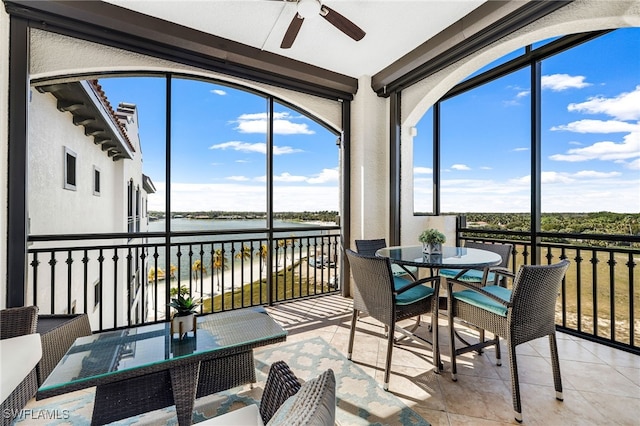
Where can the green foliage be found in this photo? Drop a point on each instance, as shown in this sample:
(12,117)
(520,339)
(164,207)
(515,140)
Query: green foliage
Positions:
(174,291)
(184,305)
(432,236)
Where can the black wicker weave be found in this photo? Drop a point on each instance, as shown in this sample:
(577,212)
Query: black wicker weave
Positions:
(504,250)
(16,322)
(370,247)
(375,295)
(530,314)
(58,332)
(281,384)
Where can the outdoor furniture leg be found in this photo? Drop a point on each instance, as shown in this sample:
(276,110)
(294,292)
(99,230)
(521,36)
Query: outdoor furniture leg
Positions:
(184,380)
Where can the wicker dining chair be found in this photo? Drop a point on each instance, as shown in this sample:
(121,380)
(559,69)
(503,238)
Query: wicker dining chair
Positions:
(400,273)
(524,313)
(486,276)
(374,294)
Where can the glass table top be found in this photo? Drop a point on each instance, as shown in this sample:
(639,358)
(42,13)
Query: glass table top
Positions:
(110,352)
(451,257)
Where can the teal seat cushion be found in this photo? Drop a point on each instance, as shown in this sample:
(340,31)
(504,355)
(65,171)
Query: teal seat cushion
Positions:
(471,276)
(419,292)
(400,271)
(481,301)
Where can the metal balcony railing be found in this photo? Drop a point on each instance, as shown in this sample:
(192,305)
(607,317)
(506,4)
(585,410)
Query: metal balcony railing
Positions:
(600,293)
(121,280)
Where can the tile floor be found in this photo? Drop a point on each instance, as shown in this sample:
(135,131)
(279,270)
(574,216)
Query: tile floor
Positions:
(601,385)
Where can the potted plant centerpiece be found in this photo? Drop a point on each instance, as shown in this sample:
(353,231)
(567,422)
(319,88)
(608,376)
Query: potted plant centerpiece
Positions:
(432,241)
(184,317)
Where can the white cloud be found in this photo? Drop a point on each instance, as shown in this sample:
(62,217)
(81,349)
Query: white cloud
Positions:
(460,167)
(606,151)
(282,124)
(242,161)
(326,175)
(242,197)
(238,178)
(598,126)
(588,193)
(634,165)
(625,106)
(218,92)
(520,149)
(522,94)
(595,174)
(560,82)
(422,171)
(288,177)
(258,147)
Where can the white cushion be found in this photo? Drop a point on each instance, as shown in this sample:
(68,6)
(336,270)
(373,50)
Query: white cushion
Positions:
(249,415)
(18,356)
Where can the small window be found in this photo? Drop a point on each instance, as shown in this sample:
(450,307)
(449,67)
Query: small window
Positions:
(69,169)
(96,293)
(96,181)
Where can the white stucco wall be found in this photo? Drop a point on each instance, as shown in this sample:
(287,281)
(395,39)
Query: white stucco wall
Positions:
(4,112)
(579,16)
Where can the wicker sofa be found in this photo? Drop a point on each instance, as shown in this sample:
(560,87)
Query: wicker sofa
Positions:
(20,351)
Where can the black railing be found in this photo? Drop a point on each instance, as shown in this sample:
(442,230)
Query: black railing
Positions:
(121,280)
(601,287)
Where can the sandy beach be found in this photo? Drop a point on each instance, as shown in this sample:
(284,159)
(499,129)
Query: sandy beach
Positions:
(209,285)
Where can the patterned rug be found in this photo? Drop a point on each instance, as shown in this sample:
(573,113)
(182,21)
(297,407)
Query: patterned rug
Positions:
(360,399)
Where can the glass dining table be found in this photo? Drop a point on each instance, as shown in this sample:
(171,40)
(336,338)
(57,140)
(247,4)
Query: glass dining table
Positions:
(461,258)
(451,257)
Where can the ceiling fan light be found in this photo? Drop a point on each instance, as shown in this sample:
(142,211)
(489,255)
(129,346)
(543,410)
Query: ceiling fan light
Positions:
(308,8)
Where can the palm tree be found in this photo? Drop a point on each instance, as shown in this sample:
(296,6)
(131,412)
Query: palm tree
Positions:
(244,253)
(198,268)
(219,261)
(262,252)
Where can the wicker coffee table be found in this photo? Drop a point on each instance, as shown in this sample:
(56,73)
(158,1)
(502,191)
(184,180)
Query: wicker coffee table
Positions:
(145,368)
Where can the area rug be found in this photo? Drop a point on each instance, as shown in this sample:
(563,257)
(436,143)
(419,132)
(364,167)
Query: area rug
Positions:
(360,399)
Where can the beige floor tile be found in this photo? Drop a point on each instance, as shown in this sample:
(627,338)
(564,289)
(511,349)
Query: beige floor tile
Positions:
(541,408)
(569,350)
(632,374)
(612,356)
(618,410)
(534,370)
(478,397)
(588,377)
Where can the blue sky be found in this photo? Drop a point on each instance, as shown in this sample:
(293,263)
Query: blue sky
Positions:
(218,148)
(590,136)
(590,155)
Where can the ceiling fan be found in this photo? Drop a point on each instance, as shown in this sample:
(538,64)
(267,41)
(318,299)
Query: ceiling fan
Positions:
(308,8)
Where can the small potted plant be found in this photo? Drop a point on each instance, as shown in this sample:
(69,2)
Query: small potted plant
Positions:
(184,317)
(432,241)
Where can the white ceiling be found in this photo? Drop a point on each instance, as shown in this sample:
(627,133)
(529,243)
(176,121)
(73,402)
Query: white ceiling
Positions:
(393,27)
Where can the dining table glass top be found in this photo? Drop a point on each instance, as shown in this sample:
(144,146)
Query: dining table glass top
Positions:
(451,257)
(112,352)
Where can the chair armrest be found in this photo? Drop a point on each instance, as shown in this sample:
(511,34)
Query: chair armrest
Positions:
(498,271)
(281,384)
(470,286)
(18,321)
(417,283)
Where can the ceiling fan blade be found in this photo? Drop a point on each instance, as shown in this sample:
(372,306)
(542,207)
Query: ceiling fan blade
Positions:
(292,32)
(342,23)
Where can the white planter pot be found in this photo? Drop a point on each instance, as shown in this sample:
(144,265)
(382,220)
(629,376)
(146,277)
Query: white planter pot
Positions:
(432,248)
(183,325)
